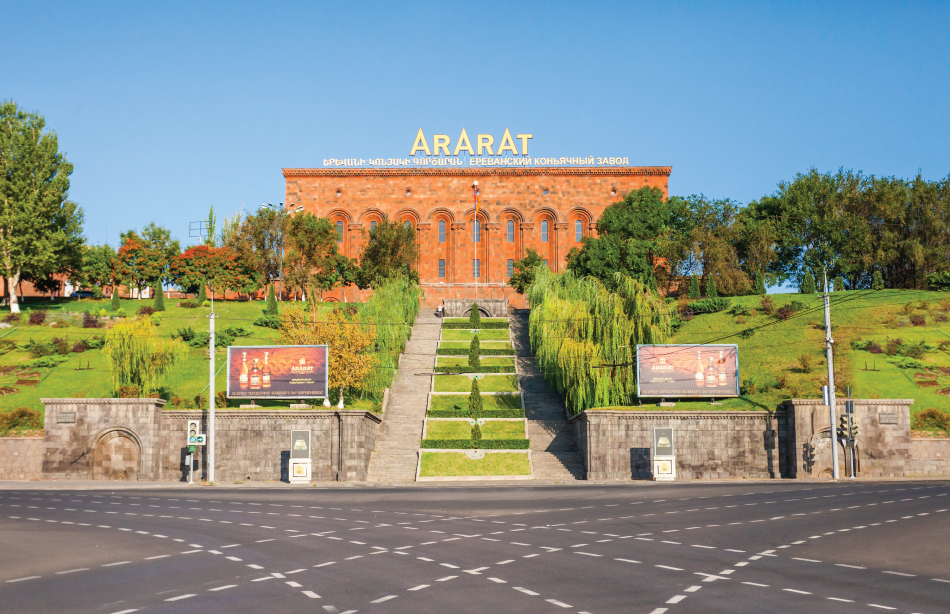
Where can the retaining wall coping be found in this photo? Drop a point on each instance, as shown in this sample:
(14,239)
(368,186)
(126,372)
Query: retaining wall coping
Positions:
(681,414)
(840,401)
(261,414)
(103,401)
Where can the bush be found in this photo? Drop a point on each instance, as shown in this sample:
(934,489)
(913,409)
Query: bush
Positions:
(267,321)
(878,281)
(746,333)
(37,318)
(186,334)
(474,357)
(145,310)
(476,435)
(808,284)
(475,401)
(11,318)
(115,298)
(40,349)
(201,339)
(177,401)
(893,346)
(20,418)
(781,382)
(468,325)
(748,387)
(767,305)
(206,303)
(759,285)
(711,291)
(710,305)
(62,346)
(464,352)
(97,293)
(740,310)
(488,413)
(239,331)
(271,301)
(158,303)
(839,284)
(128,392)
(693,291)
(47,362)
(91,321)
(931,420)
(484,444)
(806,362)
(221,400)
(79,348)
(120,312)
(797,305)
(190,303)
(784,312)
(480,369)
(156,319)
(475,316)
(918,320)
(200,400)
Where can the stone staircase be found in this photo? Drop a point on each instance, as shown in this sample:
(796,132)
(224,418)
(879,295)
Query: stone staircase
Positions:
(397,441)
(553,449)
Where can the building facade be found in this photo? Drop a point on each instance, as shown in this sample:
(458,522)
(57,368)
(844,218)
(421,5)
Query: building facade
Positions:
(550,210)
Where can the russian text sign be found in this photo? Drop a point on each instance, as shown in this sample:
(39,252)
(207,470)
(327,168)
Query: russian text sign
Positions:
(277,372)
(671,371)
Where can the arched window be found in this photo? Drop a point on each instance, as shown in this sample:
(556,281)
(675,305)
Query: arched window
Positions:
(511,231)
(544,231)
(372,226)
(441,231)
(476,231)
(578,230)
(406,224)
(339,232)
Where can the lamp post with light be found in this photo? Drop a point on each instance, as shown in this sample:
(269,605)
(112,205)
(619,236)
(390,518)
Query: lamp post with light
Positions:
(476,265)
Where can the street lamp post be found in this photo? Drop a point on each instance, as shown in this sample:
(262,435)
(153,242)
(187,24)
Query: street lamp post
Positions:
(476,236)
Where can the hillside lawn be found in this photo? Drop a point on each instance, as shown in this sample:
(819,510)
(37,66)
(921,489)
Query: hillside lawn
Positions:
(460,320)
(461,429)
(88,374)
(485,345)
(451,402)
(487,383)
(772,353)
(487,361)
(487,334)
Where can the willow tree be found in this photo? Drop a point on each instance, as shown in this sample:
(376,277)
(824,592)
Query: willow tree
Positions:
(585,336)
(139,356)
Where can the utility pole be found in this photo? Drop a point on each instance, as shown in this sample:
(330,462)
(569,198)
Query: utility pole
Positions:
(829,358)
(476,236)
(211,318)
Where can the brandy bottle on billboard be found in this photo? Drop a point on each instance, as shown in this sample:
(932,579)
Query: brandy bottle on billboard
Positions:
(242,380)
(712,375)
(700,373)
(255,377)
(722,370)
(265,373)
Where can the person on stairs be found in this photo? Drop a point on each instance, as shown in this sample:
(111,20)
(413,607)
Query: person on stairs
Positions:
(438,311)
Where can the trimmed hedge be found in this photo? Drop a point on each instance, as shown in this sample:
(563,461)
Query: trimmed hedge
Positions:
(482,369)
(464,352)
(484,444)
(468,325)
(487,413)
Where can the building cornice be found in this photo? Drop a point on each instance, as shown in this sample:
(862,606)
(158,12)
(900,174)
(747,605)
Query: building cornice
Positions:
(530,171)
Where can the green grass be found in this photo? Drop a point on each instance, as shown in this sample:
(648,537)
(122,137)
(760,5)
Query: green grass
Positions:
(461,429)
(488,383)
(460,402)
(462,361)
(772,353)
(486,345)
(488,334)
(445,464)
(458,320)
(188,379)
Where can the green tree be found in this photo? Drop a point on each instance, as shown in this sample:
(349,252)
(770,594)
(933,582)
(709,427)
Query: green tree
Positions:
(476,436)
(116,304)
(40,229)
(839,283)
(261,242)
(475,316)
(759,283)
(312,255)
(808,284)
(139,356)
(158,302)
(271,301)
(390,252)
(474,353)
(141,264)
(878,282)
(96,267)
(693,291)
(524,271)
(475,401)
(711,287)
(713,233)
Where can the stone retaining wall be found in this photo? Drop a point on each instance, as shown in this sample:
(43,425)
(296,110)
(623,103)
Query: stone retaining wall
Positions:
(617,445)
(21,458)
(929,456)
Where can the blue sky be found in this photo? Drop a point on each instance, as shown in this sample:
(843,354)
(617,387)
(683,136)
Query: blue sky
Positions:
(167,108)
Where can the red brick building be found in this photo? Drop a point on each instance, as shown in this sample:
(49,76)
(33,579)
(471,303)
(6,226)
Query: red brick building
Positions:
(547,209)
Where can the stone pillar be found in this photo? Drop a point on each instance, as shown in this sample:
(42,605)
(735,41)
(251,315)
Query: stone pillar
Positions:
(428,269)
(356,240)
(493,248)
(460,247)
(527,238)
(560,239)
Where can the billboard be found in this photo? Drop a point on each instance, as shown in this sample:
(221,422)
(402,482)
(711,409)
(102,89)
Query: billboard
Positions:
(688,370)
(277,372)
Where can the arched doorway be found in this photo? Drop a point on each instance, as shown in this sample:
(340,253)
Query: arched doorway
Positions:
(116,457)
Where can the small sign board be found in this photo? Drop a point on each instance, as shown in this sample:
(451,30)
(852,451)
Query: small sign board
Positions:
(662,441)
(888,418)
(300,445)
(65,417)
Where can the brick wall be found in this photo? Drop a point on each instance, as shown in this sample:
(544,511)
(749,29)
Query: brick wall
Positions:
(617,445)
(929,456)
(21,458)
(439,204)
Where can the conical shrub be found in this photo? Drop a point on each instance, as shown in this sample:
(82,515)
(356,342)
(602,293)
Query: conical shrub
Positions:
(808,284)
(475,317)
(115,297)
(711,287)
(693,291)
(271,301)
(158,303)
(474,353)
(475,401)
(878,281)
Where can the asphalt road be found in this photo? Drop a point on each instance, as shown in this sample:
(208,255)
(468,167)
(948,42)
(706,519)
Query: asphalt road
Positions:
(650,548)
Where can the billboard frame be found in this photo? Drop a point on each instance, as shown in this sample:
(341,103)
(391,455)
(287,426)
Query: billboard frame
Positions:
(692,346)
(227,378)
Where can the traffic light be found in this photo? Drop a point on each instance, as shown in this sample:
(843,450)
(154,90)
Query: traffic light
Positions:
(847,428)
(193,434)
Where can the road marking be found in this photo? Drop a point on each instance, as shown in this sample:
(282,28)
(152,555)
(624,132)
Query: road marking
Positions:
(897,573)
(525,591)
(446,578)
(939,580)
(419,588)
(23,579)
(477,571)
(449,565)
(325,564)
(558,603)
(386,598)
(311,594)
(59,573)
(588,554)
(264,578)
(505,562)
(627,560)
(252,566)
(676,599)
(119,563)
(668,567)
(292,584)
(792,590)
(422,558)
(698,546)
(278,575)
(795,558)
(882,607)
(844,600)
(127,611)
(179,597)
(221,588)
(849,566)
(692,589)
(528,556)
(498,580)
(755,584)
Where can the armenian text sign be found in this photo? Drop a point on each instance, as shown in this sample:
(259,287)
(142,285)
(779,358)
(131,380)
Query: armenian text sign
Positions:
(277,371)
(688,370)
